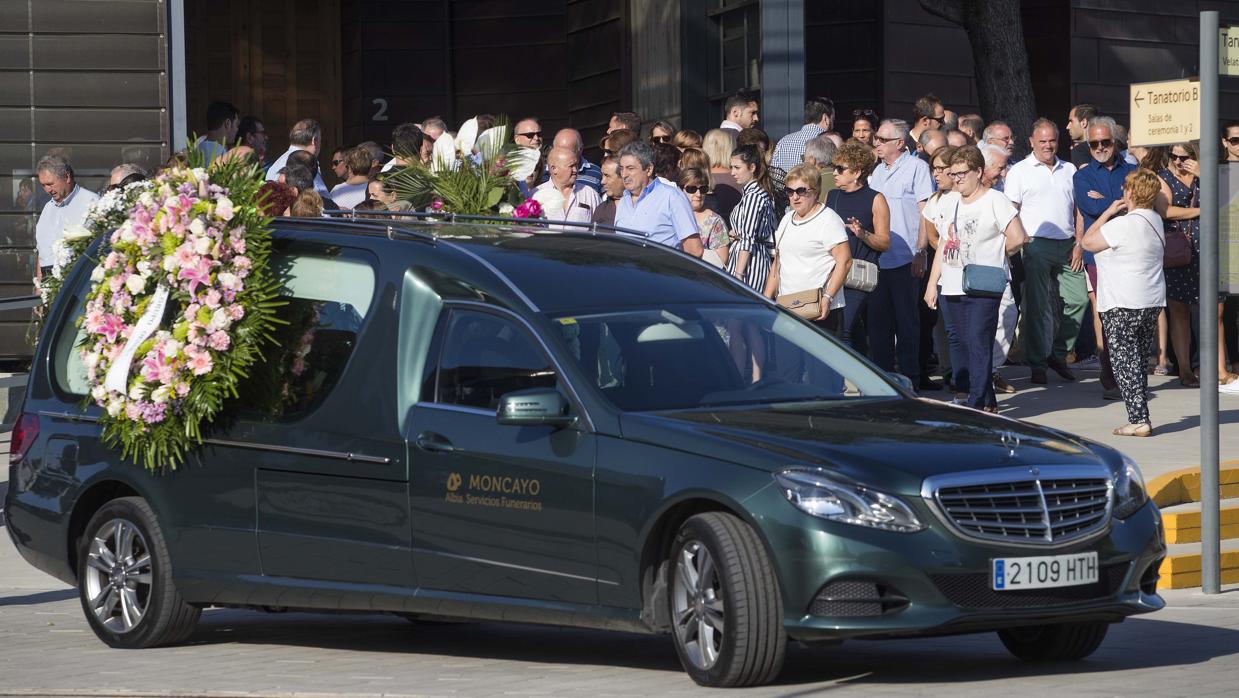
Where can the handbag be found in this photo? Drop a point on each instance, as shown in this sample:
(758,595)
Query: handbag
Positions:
(805,304)
(863,276)
(1179,248)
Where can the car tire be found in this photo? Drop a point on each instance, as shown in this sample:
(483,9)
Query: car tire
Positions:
(726,611)
(125,579)
(1061,642)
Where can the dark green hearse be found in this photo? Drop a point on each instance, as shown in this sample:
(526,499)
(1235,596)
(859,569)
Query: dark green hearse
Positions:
(473,421)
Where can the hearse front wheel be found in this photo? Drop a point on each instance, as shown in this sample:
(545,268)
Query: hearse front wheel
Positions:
(726,612)
(1054,643)
(125,579)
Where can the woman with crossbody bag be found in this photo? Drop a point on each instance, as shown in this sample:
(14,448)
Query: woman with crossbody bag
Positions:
(971,266)
(867,219)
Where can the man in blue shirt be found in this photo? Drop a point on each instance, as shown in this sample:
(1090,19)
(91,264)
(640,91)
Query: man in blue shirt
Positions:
(1097,185)
(894,306)
(659,210)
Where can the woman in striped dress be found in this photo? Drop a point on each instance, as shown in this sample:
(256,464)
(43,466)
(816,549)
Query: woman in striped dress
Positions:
(752,220)
(749,256)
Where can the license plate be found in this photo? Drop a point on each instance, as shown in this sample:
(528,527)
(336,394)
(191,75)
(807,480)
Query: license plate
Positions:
(1007,573)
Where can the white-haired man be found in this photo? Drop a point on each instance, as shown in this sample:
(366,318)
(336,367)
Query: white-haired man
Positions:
(68,205)
(893,313)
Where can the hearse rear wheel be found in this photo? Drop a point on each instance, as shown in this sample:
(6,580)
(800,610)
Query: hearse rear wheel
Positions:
(726,611)
(1054,643)
(125,579)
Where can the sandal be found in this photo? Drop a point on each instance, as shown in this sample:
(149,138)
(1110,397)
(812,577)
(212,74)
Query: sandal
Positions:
(1161,370)
(1189,381)
(1142,429)
(1227,379)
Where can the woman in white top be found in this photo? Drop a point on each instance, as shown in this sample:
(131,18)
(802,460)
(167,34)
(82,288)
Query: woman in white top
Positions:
(1131,289)
(811,253)
(982,228)
(811,250)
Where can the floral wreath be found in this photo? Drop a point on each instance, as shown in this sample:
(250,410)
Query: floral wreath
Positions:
(191,253)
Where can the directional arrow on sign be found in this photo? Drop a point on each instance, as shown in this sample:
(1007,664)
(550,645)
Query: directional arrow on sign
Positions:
(1137,99)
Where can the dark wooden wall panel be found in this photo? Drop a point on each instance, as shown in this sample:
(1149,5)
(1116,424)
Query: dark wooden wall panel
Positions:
(597,77)
(843,56)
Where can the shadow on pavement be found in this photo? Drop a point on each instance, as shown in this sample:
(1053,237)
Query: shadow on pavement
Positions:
(945,660)
(40,597)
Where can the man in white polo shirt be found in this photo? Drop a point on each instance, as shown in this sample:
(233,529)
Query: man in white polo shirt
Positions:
(1055,296)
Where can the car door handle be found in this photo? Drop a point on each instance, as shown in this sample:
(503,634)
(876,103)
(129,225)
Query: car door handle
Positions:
(434,443)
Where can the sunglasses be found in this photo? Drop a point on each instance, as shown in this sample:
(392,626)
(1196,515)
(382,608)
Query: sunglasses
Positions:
(840,169)
(1103,143)
(798,191)
(1180,158)
(880,139)
(693,189)
(608,153)
(660,139)
(939,119)
(1233,140)
(337,162)
(531,134)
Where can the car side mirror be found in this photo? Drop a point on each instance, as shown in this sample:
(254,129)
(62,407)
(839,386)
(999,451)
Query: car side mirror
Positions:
(902,381)
(536,406)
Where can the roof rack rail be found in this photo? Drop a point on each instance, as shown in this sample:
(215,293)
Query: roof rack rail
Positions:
(431,217)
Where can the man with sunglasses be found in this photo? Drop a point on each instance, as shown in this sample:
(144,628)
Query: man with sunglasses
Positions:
(928,114)
(1097,185)
(528,134)
(819,114)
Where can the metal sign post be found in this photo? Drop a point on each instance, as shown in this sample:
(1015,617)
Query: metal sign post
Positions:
(1210,534)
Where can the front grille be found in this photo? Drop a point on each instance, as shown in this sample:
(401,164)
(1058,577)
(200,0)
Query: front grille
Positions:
(1053,505)
(855,599)
(973,590)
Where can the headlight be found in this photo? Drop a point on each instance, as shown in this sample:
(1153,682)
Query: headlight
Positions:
(813,492)
(1129,492)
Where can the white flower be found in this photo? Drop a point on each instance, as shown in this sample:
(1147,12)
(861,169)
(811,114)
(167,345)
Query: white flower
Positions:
(223,208)
(170,263)
(228,281)
(162,394)
(138,391)
(90,360)
(115,406)
(506,209)
(203,244)
(219,320)
(171,348)
(135,283)
(97,275)
(144,267)
(146,199)
(197,227)
(199,173)
(76,232)
(99,392)
(552,202)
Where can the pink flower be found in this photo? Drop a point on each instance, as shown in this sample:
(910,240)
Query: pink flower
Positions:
(199,273)
(212,299)
(238,244)
(236,312)
(436,205)
(241,262)
(219,340)
(111,327)
(152,364)
(199,360)
(133,411)
(182,389)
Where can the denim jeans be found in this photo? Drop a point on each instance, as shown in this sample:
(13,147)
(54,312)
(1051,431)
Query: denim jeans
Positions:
(895,324)
(975,320)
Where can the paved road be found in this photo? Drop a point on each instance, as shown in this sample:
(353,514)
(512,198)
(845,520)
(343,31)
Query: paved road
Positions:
(46,647)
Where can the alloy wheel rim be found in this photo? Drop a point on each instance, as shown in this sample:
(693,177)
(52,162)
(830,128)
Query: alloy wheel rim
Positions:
(698,611)
(118,576)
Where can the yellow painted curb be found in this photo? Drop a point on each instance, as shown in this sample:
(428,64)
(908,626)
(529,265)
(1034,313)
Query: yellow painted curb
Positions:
(1183,486)
(1183,571)
(1189,580)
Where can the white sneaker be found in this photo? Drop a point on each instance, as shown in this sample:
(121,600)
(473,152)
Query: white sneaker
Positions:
(1091,363)
(1231,388)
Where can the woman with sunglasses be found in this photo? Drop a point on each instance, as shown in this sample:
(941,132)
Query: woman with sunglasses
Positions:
(1180,199)
(661,132)
(695,184)
(864,125)
(867,219)
(983,230)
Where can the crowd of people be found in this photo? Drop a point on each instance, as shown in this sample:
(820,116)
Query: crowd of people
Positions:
(923,243)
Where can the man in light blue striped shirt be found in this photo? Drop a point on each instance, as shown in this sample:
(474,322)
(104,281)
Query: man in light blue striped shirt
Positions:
(819,114)
(660,211)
